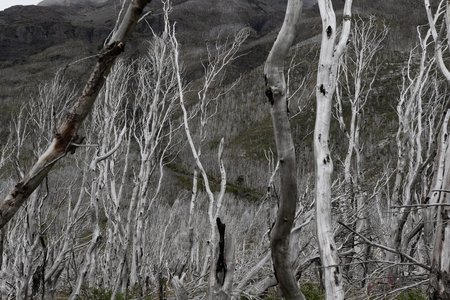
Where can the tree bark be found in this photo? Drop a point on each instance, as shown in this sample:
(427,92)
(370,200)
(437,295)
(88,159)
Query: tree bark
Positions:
(440,260)
(326,85)
(180,291)
(276,93)
(66,134)
(2,240)
(224,269)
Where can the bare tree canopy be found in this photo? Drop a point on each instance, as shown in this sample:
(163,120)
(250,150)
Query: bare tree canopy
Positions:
(66,138)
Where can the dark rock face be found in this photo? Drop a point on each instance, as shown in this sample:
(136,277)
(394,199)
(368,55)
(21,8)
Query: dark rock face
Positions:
(30,30)
(21,36)
(27,30)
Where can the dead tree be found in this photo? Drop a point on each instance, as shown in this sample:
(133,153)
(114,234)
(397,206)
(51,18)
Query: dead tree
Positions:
(355,86)
(220,282)
(276,94)
(66,138)
(434,20)
(330,53)
(208,102)
(37,241)
(439,287)
(356,76)
(409,145)
(440,264)
(224,265)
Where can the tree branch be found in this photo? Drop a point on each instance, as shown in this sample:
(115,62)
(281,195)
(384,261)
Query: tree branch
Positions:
(387,248)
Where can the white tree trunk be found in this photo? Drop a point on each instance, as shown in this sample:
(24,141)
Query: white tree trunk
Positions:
(330,53)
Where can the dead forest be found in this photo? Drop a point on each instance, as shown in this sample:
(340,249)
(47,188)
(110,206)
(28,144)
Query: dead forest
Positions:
(323,173)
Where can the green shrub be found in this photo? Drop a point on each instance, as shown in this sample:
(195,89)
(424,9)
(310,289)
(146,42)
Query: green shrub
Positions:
(102,294)
(412,294)
(311,291)
(98,294)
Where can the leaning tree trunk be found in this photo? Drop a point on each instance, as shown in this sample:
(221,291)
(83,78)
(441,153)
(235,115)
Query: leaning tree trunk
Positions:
(276,93)
(66,138)
(326,85)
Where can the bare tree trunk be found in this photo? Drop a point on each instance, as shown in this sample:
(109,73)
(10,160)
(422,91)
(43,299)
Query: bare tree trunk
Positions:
(2,239)
(180,291)
(276,93)
(330,53)
(355,86)
(414,122)
(224,268)
(440,260)
(66,135)
(217,63)
(433,19)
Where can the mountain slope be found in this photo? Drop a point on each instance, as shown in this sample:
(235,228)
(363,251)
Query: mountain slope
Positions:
(36,41)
